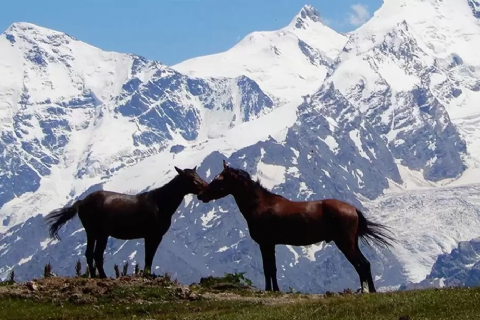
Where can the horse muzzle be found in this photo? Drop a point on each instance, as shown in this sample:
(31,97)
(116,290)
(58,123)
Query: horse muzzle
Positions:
(201,197)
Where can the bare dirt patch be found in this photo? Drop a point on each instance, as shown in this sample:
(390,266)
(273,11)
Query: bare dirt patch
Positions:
(141,290)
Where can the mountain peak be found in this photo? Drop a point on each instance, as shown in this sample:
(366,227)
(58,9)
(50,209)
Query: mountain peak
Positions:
(310,12)
(32,31)
(306,14)
(17,26)
(27,27)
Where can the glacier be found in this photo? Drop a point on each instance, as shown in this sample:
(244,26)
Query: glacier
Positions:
(385,117)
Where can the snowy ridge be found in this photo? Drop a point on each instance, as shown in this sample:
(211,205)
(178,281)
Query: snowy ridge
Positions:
(445,27)
(365,118)
(288,63)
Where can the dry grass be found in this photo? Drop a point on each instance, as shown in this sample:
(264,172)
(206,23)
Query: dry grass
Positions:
(131,297)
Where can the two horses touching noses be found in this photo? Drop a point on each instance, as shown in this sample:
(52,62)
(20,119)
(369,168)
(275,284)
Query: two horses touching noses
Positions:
(271,219)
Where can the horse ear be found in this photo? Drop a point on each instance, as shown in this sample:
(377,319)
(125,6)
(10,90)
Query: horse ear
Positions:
(180,171)
(195,168)
(225,166)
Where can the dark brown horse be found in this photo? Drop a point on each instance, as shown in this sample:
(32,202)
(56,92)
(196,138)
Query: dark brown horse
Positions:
(273,220)
(146,215)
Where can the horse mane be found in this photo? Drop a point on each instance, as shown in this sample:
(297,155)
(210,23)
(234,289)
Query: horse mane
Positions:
(245,177)
(165,189)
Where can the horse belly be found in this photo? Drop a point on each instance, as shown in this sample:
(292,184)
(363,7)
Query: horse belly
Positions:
(124,228)
(289,233)
(126,235)
(300,239)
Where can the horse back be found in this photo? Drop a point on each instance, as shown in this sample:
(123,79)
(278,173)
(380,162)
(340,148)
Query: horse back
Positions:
(109,202)
(301,222)
(121,216)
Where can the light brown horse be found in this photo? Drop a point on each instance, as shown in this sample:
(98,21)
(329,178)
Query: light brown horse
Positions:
(273,219)
(146,215)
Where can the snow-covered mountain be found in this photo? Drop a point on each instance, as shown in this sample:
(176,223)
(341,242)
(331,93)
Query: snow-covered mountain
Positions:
(412,66)
(72,111)
(289,62)
(365,117)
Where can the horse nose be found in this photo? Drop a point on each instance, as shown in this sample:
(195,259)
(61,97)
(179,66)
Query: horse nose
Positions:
(200,196)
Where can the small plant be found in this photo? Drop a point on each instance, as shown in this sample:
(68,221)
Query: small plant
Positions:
(117,271)
(47,271)
(228,282)
(78,268)
(137,269)
(10,280)
(238,277)
(175,282)
(167,277)
(125,269)
(347,291)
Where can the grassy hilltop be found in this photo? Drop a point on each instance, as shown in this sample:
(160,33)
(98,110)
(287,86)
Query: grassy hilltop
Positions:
(229,297)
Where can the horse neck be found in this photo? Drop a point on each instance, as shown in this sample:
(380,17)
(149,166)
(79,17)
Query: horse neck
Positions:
(247,199)
(169,196)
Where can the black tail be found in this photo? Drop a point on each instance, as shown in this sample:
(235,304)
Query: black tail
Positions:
(57,218)
(368,230)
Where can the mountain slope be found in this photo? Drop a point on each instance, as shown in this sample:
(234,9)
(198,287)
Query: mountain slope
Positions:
(287,63)
(391,114)
(418,95)
(460,267)
(226,245)
(63,101)
(448,34)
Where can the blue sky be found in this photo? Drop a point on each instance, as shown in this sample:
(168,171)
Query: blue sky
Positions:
(174,30)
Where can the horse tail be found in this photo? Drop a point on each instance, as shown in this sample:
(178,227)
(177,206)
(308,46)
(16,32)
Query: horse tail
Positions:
(58,217)
(369,230)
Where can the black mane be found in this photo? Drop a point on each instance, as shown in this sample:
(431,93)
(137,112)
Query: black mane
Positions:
(169,189)
(245,176)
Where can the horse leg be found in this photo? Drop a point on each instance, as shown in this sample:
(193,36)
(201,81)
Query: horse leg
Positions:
(99,250)
(89,254)
(367,271)
(273,267)
(360,263)
(266,267)
(269,267)
(151,246)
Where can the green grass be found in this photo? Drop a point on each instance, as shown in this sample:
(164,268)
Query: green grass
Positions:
(156,302)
